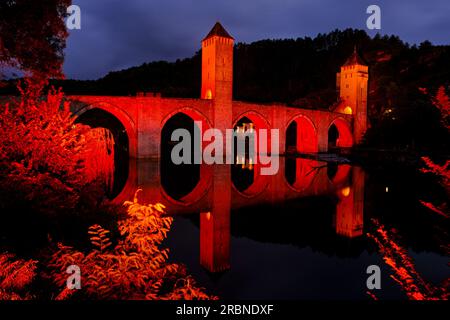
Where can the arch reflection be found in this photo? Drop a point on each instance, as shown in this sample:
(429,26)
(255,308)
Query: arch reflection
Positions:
(298,179)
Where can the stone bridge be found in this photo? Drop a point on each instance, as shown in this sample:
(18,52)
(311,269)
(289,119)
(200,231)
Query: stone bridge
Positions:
(143,120)
(144,116)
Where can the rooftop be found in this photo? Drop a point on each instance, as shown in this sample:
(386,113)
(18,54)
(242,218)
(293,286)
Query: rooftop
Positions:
(354,59)
(218,30)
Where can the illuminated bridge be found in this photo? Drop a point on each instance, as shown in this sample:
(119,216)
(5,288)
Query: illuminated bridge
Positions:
(142,125)
(144,117)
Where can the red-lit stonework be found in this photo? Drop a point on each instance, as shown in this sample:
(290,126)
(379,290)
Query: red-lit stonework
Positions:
(215,196)
(143,116)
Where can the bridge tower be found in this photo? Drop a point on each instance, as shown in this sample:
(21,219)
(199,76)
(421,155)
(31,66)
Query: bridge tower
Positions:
(217,86)
(350,208)
(217,74)
(217,64)
(352,82)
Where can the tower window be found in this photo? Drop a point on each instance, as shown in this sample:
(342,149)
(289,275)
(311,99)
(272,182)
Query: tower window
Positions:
(348,110)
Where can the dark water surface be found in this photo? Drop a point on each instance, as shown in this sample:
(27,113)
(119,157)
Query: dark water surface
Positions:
(300,234)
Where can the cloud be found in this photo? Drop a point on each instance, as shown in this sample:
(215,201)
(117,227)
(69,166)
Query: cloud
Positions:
(117,34)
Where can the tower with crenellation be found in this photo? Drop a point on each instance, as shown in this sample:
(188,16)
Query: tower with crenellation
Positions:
(217,74)
(352,83)
(217,86)
(217,64)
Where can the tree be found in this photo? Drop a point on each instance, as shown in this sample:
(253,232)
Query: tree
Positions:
(46,159)
(16,276)
(441,171)
(442,102)
(403,267)
(33,35)
(136,268)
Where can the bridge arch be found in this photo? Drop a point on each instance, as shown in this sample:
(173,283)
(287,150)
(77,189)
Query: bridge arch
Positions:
(121,126)
(340,134)
(301,135)
(199,175)
(300,173)
(338,174)
(120,115)
(193,113)
(259,121)
(254,116)
(246,175)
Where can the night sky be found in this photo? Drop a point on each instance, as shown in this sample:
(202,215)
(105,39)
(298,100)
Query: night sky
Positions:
(117,34)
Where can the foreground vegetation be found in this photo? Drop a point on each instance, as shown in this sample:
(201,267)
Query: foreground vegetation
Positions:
(56,171)
(388,241)
(135,267)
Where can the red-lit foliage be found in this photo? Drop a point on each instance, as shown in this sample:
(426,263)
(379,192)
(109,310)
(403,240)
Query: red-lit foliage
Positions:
(50,161)
(438,209)
(442,102)
(135,268)
(16,275)
(442,171)
(33,35)
(405,273)
(99,157)
(45,157)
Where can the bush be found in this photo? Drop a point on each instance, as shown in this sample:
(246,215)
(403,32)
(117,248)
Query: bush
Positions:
(16,275)
(45,157)
(135,268)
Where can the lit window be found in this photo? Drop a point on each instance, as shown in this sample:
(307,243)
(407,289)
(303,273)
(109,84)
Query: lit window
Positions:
(348,110)
(345,191)
(208,94)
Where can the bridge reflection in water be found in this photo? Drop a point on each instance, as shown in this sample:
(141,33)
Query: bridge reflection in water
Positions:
(215,196)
